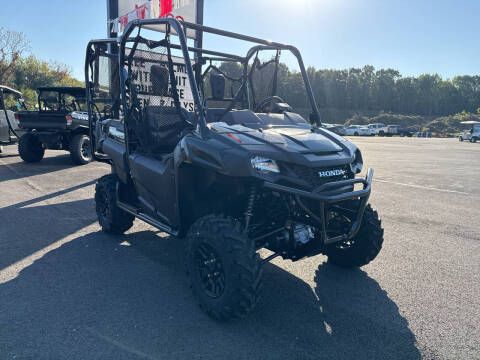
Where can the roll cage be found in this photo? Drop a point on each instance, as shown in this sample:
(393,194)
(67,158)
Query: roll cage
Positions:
(77,93)
(117,50)
(5,91)
(20,106)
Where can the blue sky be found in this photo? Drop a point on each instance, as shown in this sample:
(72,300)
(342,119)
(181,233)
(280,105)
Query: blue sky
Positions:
(414,37)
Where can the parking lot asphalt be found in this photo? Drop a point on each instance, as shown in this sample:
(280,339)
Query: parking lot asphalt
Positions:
(68,291)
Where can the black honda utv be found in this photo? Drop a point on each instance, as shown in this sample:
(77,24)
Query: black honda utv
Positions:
(211,148)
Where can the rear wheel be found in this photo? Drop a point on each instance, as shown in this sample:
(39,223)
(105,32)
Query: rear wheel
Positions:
(355,133)
(111,218)
(363,248)
(473,140)
(223,267)
(80,149)
(30,148)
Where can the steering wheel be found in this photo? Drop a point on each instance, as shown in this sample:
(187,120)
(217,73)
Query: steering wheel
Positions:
(262,105)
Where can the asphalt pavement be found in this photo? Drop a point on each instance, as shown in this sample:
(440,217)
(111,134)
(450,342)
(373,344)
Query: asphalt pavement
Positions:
(68,291)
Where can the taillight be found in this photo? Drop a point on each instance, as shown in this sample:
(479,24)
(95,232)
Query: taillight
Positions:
(69,120)
(17,117)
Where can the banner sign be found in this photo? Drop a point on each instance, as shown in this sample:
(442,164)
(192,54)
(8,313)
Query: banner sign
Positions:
(128,10)
(141,70)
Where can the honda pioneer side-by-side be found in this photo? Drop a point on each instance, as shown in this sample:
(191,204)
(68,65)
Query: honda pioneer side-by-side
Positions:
(216,147)
(11,101)
(61,123)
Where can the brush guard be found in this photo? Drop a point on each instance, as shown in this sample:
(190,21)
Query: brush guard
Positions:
(331,193)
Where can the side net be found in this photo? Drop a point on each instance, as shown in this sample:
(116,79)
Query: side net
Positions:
(158,104)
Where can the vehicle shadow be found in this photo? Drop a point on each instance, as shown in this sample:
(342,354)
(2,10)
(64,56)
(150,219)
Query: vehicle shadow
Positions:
(99,296)
(44,225)
(34,224)
(21,169)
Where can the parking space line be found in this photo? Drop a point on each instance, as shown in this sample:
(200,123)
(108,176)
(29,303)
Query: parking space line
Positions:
(422,187)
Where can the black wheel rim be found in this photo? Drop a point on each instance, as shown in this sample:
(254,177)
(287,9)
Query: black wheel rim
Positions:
(210,271)
(85,149)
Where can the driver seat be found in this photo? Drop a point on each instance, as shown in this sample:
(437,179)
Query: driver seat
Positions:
(166,124)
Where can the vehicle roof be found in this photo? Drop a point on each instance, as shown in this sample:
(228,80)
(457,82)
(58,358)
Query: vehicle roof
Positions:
(74,90)
(9,89)
(470,122)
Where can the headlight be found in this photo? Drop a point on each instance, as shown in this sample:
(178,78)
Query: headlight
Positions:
(357,165)
(264,165)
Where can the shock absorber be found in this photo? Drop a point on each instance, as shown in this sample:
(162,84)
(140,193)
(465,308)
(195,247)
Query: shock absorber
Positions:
(250,206)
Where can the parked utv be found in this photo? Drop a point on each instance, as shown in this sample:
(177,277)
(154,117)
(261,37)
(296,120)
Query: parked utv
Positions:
(235,172)
(10,101)
(473,134)
(61,123)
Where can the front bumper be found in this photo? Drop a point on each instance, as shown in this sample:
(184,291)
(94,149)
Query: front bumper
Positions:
(330,193)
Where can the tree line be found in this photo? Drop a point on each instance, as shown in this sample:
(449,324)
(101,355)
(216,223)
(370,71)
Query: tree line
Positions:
(25,72)
(387,90)
(362,90)
(369,90)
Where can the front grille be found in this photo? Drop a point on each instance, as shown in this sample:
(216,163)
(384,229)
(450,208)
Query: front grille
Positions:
(311,175)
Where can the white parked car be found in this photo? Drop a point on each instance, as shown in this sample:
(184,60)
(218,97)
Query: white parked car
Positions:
(356,130)
(472,135)
(375,128)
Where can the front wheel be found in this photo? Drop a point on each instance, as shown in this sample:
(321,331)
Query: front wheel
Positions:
(111,218)
(223,267)
(80,149)
(30,148)
(473,140)
(363,248)
(460,139)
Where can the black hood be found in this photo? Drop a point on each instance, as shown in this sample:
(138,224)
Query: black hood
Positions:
(290,139)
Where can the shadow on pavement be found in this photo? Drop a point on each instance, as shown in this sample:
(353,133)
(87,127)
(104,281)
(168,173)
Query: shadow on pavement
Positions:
(21,169)
(128,298)
(42,226)
(29,226)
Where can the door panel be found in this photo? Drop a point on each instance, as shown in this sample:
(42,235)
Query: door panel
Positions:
(155,183)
